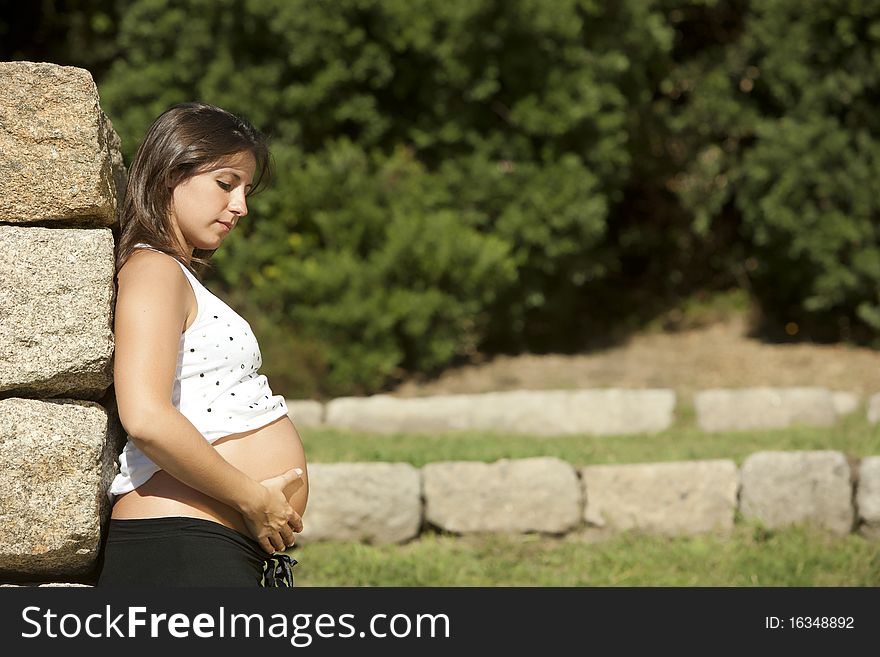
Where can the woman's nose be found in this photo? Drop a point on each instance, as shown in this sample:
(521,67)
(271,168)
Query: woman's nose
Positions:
(238,205)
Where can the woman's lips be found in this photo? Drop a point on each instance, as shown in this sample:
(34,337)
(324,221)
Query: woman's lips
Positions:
(226,226)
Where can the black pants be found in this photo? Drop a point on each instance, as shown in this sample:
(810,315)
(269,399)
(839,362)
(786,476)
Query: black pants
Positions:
(179,551)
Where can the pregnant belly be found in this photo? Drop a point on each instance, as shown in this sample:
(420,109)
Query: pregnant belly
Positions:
(260,453)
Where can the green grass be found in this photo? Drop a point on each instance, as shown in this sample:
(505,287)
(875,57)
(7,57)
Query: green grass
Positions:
(684,441)
(749,556)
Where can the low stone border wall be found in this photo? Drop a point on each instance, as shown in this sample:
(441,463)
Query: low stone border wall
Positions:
(537,412)
(596,411)
(381,503)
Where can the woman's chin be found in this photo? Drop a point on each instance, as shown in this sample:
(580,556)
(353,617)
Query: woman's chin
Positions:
(209,245)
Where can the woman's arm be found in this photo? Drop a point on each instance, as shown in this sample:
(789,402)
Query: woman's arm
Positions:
(175,445)
(151,311)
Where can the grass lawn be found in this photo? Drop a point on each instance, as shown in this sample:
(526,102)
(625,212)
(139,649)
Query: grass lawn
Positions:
(683,441)
(750,556)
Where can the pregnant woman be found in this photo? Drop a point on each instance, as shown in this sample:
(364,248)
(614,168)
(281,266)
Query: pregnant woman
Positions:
(212,483)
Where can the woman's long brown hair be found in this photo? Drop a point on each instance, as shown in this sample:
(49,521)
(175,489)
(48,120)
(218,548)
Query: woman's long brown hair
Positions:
(185,140)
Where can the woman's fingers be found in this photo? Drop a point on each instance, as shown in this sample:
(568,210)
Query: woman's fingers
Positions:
(291,475)
(284,479)
(287,482)
(278,542)
(288,537)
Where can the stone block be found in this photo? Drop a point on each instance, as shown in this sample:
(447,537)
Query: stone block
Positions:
(305,412)
(874,409)
(763,408)
(56,325)
(845,402)
(59,154)
(369,502)
(57,458)
(672,498)
(509,496)
(868,497)
(786,488)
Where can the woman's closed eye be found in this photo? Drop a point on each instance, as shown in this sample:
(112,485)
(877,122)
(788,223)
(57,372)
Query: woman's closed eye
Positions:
(224,186)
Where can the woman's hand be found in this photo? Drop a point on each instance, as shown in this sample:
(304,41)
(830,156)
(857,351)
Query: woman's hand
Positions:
(272,521)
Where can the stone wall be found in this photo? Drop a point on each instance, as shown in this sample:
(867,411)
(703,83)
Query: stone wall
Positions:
(548,495)
(597,412)
(61,176)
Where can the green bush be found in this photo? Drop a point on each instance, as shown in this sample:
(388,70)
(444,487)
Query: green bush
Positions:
(446,169)
(783,131)
(366,259)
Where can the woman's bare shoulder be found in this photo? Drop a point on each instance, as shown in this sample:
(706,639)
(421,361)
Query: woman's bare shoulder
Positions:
(146,262)
(154,276)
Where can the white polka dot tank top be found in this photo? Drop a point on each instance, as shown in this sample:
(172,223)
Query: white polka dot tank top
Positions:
(217,385)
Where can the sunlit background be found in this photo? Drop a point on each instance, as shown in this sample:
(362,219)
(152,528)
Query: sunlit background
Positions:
(456,179)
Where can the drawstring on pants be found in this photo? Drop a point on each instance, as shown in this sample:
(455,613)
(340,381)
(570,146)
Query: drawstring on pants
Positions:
(277,571)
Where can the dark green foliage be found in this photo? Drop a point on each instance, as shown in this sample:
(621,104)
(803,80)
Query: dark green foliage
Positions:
(462,176)
(368,258)
(783,132)
(445,168)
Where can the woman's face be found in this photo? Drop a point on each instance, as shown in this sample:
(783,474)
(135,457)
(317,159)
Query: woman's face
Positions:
(206,207)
